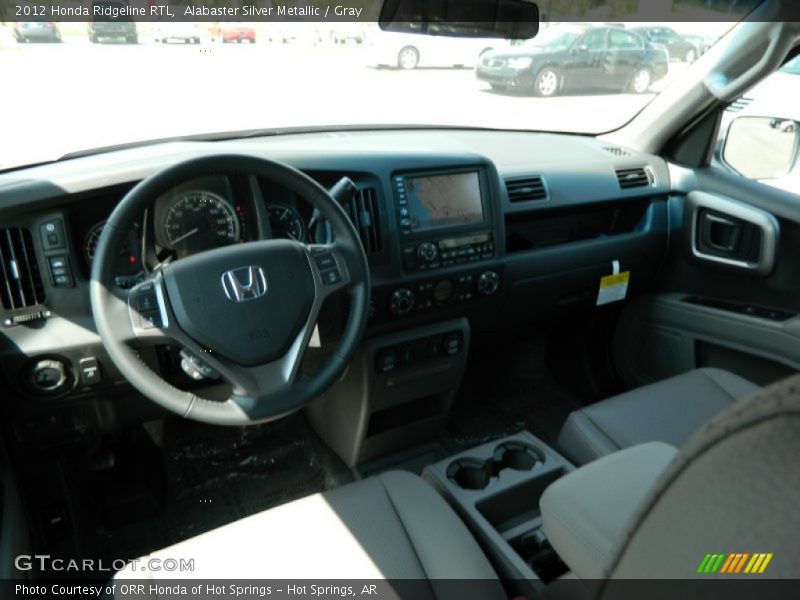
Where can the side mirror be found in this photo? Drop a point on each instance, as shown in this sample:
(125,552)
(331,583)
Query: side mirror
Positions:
(762,147)
(579,48)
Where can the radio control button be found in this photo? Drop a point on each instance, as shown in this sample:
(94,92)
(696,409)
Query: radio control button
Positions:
(427,251)
(488,283)
(402,302)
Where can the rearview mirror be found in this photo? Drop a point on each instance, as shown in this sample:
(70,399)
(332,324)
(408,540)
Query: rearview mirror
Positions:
(508,19)
(762,147)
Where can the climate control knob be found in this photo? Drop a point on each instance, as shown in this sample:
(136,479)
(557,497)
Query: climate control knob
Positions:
(427,251)
(48,376)
(402,302)
(488,283)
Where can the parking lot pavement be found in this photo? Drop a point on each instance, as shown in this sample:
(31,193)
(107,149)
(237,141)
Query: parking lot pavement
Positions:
(90,95)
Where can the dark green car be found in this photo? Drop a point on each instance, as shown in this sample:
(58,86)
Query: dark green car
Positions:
(577,59)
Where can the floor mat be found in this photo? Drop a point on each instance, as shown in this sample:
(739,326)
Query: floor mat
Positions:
(539,406)
(217,475)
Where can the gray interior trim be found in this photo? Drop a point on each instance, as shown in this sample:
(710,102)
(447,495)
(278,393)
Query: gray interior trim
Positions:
(670,328)
(766,223)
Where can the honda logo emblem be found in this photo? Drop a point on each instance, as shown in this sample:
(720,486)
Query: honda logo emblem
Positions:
(244,283)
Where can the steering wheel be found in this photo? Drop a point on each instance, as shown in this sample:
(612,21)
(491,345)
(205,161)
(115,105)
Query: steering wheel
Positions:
(245,312)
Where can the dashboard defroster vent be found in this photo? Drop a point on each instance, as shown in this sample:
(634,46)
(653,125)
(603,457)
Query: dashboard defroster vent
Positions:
(20,281)
(635,177)
(363,212)
(527,189)
(739,104)
(616,151)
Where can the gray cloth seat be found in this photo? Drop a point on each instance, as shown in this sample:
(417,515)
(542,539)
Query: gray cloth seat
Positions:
(668,411)
(730,492)
(393,526)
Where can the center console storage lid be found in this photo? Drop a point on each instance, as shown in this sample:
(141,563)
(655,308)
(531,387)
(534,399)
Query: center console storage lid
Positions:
(586,513)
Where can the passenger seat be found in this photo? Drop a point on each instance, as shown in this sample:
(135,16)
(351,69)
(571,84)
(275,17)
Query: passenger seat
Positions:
(667,411)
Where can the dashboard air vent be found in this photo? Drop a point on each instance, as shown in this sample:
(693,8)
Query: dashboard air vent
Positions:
(363,212)
(526,190)
(636,177)
(20,282)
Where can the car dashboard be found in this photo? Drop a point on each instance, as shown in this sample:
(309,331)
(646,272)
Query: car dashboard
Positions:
(465,232)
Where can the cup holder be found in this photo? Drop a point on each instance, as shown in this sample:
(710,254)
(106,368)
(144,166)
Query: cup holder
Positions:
(470,473)
(518,456)
(473,474)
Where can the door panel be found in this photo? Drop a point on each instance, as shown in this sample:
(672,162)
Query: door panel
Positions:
(728,294)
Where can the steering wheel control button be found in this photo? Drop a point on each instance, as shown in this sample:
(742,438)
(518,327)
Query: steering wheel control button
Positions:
(325,261)
(331,277)
(89,370)
(196,368)
(146,302)
(52,233)
(150,320)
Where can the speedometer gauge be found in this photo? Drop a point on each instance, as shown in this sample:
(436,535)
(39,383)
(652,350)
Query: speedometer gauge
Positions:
(200,220)
(285,222)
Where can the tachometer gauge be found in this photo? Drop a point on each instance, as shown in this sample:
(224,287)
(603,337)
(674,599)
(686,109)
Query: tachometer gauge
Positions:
(197,221)
(129,253)
(286,223)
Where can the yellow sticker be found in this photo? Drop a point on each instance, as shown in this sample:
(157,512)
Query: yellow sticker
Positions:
(613,288)
(617,279)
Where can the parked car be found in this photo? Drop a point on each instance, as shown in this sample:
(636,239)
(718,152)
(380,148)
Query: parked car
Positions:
(113,30)
(187,33)
(341,33)
(680,47)
(578,59)
(702,42)
(36,32)
(122,28)
(234,32)
(409,51)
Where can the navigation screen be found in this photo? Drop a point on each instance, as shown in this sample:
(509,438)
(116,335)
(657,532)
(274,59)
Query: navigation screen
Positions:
(444,200)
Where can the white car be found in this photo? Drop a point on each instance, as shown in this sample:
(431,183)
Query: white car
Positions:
(341,33)
(186,33)
(409,51)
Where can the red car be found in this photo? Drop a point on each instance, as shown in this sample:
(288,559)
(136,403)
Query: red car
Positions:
(237,33)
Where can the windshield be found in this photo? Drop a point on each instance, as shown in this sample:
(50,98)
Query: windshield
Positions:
(553,37)
(793,66)
(71,87)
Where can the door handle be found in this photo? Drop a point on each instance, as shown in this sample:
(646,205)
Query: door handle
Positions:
(720,233)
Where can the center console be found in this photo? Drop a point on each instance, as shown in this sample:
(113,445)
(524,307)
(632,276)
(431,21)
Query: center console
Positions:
(496,489)
(446,221)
